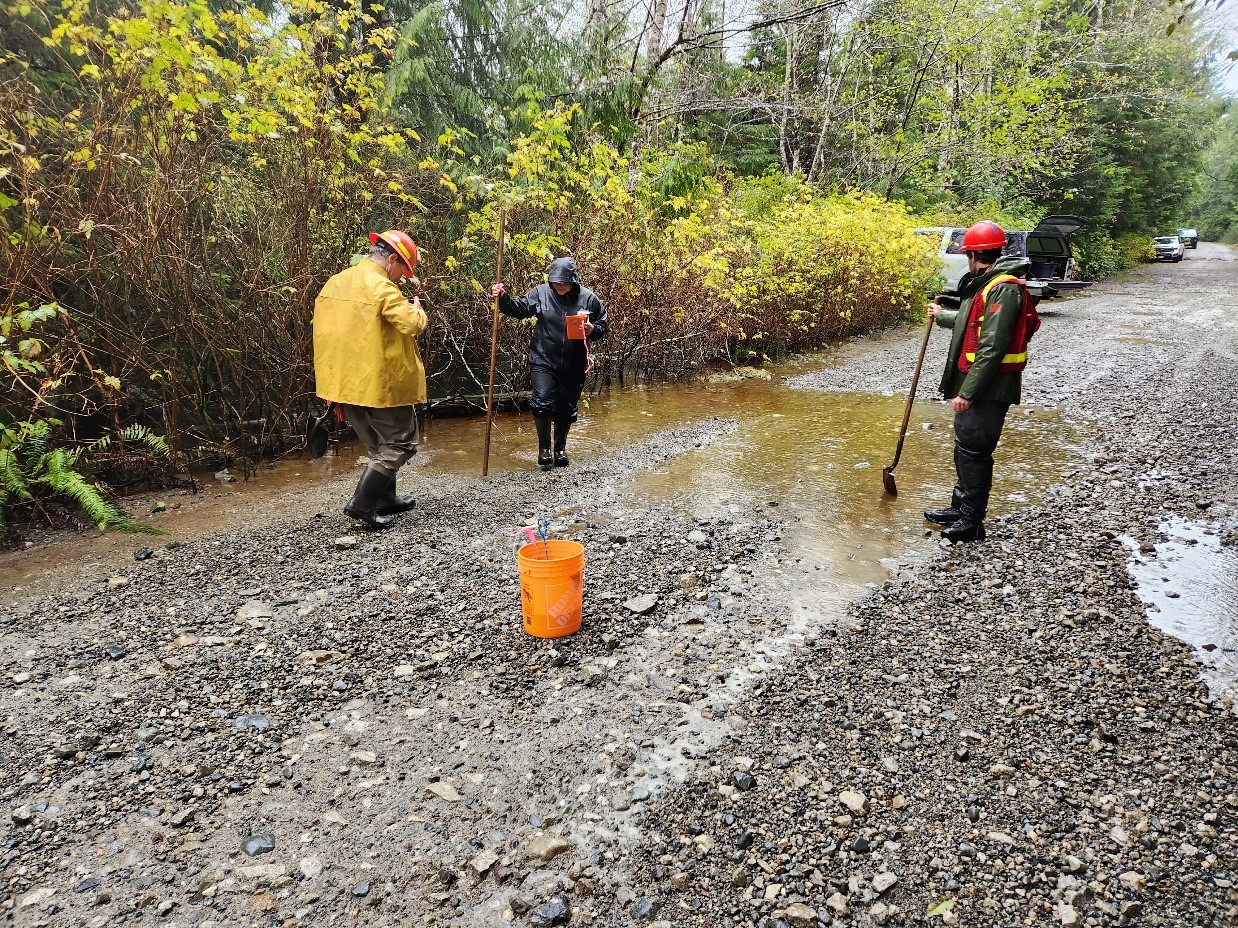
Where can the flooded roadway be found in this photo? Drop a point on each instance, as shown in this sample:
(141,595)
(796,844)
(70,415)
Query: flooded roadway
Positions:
(817,456)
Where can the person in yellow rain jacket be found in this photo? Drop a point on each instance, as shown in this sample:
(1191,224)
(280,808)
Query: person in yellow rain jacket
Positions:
(366,360)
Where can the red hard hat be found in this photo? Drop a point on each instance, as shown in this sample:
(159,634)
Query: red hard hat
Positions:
(984,236)
(402,245)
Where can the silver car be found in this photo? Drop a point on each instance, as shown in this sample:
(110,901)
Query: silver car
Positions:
(1169,248)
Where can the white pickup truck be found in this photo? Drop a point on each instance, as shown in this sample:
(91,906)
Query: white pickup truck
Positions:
(1047,246)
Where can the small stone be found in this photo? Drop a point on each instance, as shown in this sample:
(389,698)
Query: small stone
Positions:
(552,912)
(643,604)
(114,652)
(117,583)
(182,818)
(1134,880)
(639,794)
(363,758)
(838,905)
(800,915)
(481,862)
(546,847)
(254,721)
(1072,864)
(743,780)
(855,801)
(91,882)
(879,913)
(860,845)
(255,845)
(361,888)
(444,791)
(962,754)
(644,908)
(1001,771)
(404,671)
(143,554)
(20,677)
(883,881)
(1067,915)
(345,542)
(310,867)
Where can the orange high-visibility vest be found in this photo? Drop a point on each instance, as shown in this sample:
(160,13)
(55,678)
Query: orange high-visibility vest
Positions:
(1015,358)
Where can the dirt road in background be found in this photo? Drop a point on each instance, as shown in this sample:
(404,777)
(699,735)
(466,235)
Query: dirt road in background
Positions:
(293,725)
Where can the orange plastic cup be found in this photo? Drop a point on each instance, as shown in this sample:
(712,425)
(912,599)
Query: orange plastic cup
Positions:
(551,588)
(576,327)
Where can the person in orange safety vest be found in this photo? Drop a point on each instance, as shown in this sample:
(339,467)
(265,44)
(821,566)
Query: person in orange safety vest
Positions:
(984,370)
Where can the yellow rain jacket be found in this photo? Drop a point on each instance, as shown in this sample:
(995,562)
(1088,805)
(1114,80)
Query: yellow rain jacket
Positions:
(365,348)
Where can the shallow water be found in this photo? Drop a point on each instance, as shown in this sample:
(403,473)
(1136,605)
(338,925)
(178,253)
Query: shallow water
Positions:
(816,455)
(1190,587)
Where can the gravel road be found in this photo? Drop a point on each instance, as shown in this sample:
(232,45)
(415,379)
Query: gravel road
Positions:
(291,725)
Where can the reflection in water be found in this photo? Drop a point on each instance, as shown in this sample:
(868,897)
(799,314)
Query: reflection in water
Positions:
(818,456)
(1190,586)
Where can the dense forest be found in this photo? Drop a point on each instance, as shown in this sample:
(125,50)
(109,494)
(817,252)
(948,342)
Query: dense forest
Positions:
(737,181)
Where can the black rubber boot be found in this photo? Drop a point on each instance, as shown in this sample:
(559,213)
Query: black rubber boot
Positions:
(947,516)
(391,504)
(364,503)
(561,430)
(968,528)
(544,459)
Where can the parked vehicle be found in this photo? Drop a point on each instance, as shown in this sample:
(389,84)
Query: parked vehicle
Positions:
(1047,246)
(1169,248)
(1190,238)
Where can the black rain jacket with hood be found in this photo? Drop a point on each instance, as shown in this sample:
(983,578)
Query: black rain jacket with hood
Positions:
(551,348)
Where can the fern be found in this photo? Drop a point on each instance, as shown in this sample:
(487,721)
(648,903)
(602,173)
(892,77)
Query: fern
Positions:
(13,482)
(59,475)
(135,433)
(28,464)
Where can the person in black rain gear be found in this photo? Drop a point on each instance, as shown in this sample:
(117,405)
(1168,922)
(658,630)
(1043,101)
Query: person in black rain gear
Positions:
(557,363)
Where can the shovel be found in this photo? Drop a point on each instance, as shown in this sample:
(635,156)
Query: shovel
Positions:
(887,475)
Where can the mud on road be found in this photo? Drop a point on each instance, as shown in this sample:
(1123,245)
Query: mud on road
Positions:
(265,728)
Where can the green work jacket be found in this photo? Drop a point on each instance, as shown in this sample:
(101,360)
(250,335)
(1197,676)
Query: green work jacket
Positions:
(984,381)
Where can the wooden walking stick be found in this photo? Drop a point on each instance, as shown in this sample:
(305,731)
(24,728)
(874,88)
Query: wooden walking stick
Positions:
(494,349)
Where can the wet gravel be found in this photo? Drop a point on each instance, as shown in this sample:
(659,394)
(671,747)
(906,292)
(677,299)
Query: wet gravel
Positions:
(279,727)
(1000,738)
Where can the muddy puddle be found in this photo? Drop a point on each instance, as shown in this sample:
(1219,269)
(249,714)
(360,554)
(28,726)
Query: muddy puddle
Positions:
(816,455)
(1190,586)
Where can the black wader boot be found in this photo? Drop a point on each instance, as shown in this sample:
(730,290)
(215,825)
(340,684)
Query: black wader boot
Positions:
(561,430)
(544,459)
(392,504)
(950,514)
(364,503)
(976,480)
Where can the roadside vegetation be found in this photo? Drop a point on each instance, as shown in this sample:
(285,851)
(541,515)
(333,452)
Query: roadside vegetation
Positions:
(177,180)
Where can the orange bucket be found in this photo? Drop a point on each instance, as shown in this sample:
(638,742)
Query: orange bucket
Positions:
(576,327)
(551,588)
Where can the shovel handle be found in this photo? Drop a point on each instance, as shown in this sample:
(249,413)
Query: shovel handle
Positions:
(494,348)
(911,394)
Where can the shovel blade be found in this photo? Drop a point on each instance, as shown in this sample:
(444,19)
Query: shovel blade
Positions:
(887,479)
